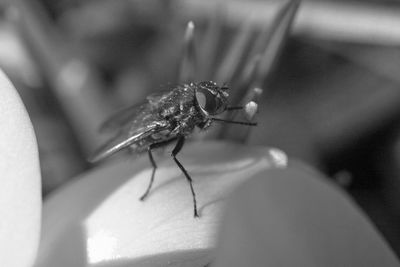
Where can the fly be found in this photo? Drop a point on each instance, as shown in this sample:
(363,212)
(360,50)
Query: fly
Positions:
(167,117)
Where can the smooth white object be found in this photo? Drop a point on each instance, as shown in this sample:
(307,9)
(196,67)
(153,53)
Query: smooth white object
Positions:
(20,189)
(98,220)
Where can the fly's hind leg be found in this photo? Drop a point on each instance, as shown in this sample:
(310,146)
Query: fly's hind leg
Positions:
(178,147)
(153,163)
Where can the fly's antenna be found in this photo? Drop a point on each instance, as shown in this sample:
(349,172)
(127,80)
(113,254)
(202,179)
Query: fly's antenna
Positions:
(235,122)
(233,108)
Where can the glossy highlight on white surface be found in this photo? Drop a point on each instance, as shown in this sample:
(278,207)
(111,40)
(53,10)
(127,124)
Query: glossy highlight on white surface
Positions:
(101,246)
(278,157)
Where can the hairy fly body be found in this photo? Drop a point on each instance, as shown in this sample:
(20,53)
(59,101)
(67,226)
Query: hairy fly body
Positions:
(166,117)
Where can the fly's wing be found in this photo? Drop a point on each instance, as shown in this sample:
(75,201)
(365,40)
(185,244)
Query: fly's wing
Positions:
(125,138)
(122,117)
(155,98)
(129,114)
(133,125)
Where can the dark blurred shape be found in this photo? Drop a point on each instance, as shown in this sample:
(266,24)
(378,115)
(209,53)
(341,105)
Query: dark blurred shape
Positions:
(60,155)
(263,54)
(71,80)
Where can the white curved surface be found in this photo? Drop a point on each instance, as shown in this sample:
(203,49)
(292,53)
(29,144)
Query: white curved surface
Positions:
(20,189)
(98,220)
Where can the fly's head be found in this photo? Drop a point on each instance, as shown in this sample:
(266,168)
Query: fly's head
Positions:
(210,98)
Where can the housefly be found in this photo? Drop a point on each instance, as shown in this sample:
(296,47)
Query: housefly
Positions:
(167,117)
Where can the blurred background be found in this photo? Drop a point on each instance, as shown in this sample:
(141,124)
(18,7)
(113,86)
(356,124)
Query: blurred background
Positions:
(329,70)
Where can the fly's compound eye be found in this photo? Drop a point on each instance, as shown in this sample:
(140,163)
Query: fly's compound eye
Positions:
(209,102)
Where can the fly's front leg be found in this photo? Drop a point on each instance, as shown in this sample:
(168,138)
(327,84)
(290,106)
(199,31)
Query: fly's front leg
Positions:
(178,147)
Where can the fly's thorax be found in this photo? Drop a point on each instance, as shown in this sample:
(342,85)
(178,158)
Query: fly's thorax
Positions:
(183,116)
(168,112)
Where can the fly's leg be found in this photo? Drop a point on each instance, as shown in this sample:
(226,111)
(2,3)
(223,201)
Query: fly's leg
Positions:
(153,163)
(178,147)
